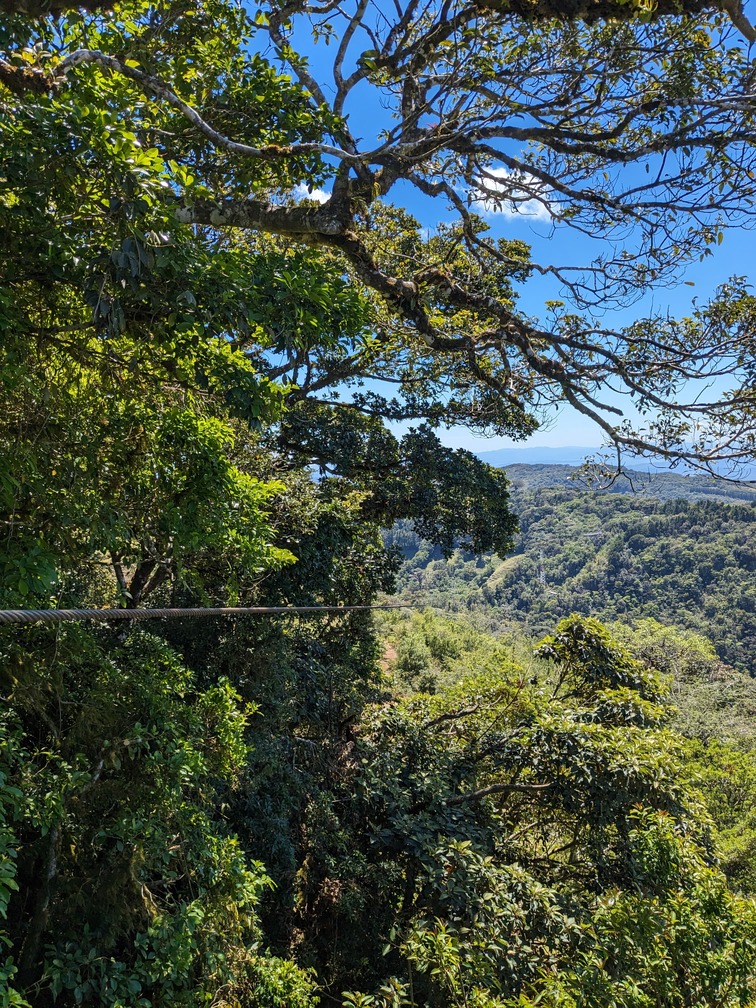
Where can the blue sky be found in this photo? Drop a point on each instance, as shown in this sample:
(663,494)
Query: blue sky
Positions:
(735,256)
(552,243)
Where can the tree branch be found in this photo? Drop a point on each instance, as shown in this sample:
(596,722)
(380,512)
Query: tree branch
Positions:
(532,789)
(161,90)
(591,11)
(45,8)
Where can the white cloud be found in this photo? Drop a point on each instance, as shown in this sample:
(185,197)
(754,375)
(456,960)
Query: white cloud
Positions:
(301,192)
(512,194)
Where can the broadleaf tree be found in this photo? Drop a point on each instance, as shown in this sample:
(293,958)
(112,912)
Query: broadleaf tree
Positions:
(631,125)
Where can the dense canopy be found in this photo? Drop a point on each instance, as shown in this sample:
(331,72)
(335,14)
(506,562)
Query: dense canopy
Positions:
(218,288)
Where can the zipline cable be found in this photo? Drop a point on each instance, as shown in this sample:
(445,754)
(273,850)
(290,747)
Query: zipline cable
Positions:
(10,616)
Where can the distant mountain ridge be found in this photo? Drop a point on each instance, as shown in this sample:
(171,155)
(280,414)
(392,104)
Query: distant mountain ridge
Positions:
(576,455)
(572,455)
(658,485)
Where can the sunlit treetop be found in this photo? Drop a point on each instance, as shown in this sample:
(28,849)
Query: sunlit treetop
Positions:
(631,123)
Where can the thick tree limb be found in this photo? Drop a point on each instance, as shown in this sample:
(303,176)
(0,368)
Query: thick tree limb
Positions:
(590,11)
(734,9)
(531,789)
(529,10)
(595,10)
(43,8)
(258,215)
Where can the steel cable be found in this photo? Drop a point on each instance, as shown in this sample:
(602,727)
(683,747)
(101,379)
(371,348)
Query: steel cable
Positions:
(16,616)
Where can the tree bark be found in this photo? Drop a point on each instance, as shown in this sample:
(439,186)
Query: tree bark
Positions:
(42,8)
(530,10)
(597,10)
(28,960)
(262,216)
(24,79)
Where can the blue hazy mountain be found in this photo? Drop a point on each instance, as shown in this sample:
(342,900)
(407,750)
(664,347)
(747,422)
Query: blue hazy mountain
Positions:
(573,455)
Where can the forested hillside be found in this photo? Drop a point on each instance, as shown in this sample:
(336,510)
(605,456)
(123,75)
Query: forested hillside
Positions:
(648,483)
(610,553)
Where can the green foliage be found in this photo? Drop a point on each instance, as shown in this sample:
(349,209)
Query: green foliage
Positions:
(725,771)
(423,649)
(712,700)
(594,663)
(516,839)
(132,885)
(682,654)
(451,496)
(456,498)
(625,557)
(689,943)
(11,811)
(714,708)
(143,770)
(255,814)
(122,396)
(113,472)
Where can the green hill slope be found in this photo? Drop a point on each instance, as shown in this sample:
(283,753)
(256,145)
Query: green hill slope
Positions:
(679,549)
(656,484)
